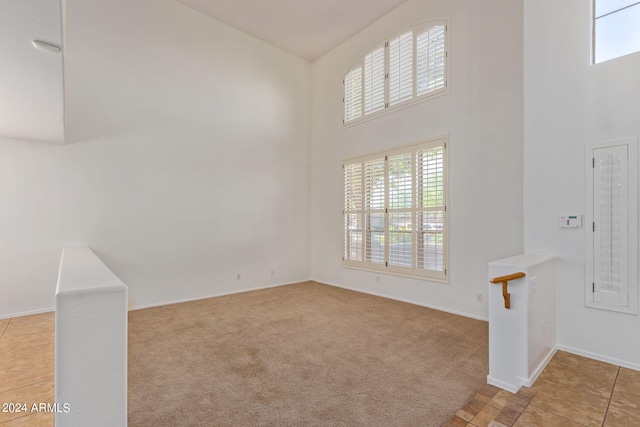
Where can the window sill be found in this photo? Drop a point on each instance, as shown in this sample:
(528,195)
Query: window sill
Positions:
(394,273)
(397,107)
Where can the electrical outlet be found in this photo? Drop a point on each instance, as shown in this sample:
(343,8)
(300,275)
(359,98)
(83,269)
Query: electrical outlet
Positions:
(238,277)
(479,297)
(273,272)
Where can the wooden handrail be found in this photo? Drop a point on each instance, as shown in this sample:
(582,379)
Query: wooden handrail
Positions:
(505,280)
(513,276)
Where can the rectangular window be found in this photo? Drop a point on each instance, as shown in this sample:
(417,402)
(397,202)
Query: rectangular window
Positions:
(616,29)
(395,211)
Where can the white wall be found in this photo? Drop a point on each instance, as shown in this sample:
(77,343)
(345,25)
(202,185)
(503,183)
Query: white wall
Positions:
(483,115)
(568,104)
(187,163)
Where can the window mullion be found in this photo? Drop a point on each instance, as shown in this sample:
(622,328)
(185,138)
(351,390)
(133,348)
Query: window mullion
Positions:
(414,68)
(363,216)
(414,204)
(387,236)
(362,89)
(386,74)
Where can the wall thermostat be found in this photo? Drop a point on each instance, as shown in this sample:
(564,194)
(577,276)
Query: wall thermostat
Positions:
(571,221)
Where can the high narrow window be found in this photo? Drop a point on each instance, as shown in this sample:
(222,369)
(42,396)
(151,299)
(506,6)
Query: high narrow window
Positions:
(616,29)
(395,211)
(407,67)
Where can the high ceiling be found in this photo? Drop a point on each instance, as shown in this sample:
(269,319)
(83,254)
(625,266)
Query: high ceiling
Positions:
(31,99)
(306,28)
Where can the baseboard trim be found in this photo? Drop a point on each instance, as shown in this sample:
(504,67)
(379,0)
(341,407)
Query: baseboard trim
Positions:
(28,313)
(528,382)
(240,291)
(501,384)
(434,307)
(160,304)
(141,307)
(599,357)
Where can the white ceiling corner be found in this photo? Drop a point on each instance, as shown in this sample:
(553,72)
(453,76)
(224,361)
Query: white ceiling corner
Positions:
(31,97)
(306,28)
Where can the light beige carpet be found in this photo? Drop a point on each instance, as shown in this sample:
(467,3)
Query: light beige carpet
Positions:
(301,355)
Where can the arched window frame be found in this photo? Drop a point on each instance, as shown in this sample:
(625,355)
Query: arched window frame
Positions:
(366,97)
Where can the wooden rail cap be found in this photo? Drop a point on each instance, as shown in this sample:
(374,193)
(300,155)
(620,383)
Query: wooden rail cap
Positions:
(505,280)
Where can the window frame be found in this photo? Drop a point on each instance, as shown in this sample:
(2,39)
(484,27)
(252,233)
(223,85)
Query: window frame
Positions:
(417,29)
(386,267)
(594,18)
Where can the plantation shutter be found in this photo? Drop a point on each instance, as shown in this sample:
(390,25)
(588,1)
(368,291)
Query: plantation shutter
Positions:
(431,227)
(409,67)
(395,216)
(401,68)
(374,81)
(353,225)
(400,211)
(610,215)
(353,94)
(430,58)
(374,211)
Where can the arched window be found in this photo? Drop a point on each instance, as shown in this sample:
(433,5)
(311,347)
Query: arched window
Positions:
(408,66)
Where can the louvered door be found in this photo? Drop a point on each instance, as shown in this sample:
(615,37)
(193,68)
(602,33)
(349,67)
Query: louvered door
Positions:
(612,214)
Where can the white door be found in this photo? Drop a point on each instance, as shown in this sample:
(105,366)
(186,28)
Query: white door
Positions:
(610,226)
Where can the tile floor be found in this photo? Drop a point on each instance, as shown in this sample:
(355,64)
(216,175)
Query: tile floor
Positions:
(572,390)
(27,369)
